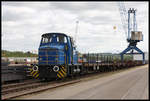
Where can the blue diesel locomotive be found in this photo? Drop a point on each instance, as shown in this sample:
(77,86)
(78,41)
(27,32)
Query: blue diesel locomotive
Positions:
(57,57)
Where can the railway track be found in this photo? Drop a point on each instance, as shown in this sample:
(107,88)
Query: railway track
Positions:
(13,85)
(15,91)
(20,88)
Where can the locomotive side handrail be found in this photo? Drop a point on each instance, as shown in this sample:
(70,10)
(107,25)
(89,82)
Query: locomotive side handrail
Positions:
(50,61)
(50,55)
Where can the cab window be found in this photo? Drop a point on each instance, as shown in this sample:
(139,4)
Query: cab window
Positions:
(65,39)
(50,39)
(46,39)
(61,39)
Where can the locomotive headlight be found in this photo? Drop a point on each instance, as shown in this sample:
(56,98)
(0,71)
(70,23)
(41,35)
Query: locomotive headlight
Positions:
(55,68)
(97,67)
(74,70)
(35,68)
(78,70)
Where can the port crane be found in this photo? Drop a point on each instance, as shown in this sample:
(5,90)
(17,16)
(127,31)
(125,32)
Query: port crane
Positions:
(130,27)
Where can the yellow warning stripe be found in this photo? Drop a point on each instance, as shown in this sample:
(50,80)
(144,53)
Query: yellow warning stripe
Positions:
(35,73)
(63,72)
(32,72)
(60,74)
(64,68)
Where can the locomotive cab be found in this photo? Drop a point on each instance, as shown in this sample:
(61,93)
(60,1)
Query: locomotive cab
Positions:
(52,49)
(56,50)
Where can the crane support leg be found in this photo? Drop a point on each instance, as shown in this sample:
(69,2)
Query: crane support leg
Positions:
(132,48)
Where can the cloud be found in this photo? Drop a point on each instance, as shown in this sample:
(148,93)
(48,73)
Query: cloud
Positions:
(23,23)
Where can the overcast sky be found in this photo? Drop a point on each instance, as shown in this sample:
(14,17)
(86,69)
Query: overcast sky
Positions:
(23,23)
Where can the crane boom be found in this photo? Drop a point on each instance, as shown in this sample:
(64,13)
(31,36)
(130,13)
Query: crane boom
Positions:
(123,15)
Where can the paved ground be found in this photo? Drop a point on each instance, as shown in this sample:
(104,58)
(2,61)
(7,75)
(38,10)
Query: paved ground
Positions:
(129,84)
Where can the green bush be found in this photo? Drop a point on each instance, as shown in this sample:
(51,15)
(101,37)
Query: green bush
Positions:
(5,53)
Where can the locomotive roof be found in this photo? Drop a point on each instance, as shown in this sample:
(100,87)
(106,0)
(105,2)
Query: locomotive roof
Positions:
(48,34)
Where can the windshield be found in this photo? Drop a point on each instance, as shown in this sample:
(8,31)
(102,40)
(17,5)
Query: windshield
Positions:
(54,39)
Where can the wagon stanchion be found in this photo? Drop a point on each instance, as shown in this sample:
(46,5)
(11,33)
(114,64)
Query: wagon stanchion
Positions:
(116,65)
(97,62)
(88,61)
(113,63)
(104,62)
(82,64)
(93,61)
(100,64)
(109,63)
